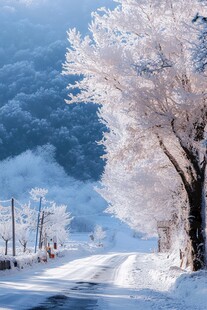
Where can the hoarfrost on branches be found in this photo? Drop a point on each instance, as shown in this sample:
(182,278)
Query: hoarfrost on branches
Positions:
(25,224)
(37,193)
(138,64)
(5,225)
(99,235)
(56,222)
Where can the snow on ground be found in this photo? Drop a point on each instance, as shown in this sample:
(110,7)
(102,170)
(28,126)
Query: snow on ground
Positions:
(128,274)
(193,289)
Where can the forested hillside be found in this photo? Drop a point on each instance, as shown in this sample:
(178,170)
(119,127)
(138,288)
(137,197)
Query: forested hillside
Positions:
(32,89)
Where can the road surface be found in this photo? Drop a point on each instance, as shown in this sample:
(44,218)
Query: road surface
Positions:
(92,283)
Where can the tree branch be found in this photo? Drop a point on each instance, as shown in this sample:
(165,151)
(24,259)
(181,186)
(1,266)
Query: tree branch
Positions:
(188,153)
(203,168)
(175,164)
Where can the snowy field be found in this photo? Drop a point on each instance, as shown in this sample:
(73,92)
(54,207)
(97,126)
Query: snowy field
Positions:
(125,274)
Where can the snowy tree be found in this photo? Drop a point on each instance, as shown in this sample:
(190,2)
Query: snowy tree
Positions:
(6,233)
(53,219)
(56,222)
(37,193)
(5,225)
(25,224)
(138,65)
(200,47)
(99,234)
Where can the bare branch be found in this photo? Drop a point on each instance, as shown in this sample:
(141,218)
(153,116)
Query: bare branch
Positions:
(175,164)
(189,154)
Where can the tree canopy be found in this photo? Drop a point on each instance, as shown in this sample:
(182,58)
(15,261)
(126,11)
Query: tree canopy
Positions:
(138,64)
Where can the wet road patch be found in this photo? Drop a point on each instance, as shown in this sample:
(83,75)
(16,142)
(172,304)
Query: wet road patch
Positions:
(72,299)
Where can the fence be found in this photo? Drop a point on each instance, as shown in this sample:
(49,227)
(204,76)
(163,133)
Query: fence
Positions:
(5,264)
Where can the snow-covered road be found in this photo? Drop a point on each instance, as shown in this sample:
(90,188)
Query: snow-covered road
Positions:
(101,282)
(27,288)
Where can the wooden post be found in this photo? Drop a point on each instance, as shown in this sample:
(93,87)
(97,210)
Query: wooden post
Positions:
(164,233)
(55,242)
(13,227)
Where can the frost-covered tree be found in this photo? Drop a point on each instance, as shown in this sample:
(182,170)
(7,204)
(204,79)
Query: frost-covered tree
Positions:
(25,224)
(138,64)
(56,222)
(53,219)
(38,193)
(200,47)
(99,234)
(5,225)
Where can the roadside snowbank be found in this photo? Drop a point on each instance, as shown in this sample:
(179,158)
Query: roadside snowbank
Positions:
(192,287)
(148,271)
(151,273)
(73,250)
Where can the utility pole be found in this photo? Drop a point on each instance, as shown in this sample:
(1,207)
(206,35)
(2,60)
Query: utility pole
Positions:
(38,220)
(41,229)
(13,227)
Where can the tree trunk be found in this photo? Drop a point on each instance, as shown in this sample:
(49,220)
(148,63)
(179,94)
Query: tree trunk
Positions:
(6,247)
(193,179)
(24,247)
(196,225)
